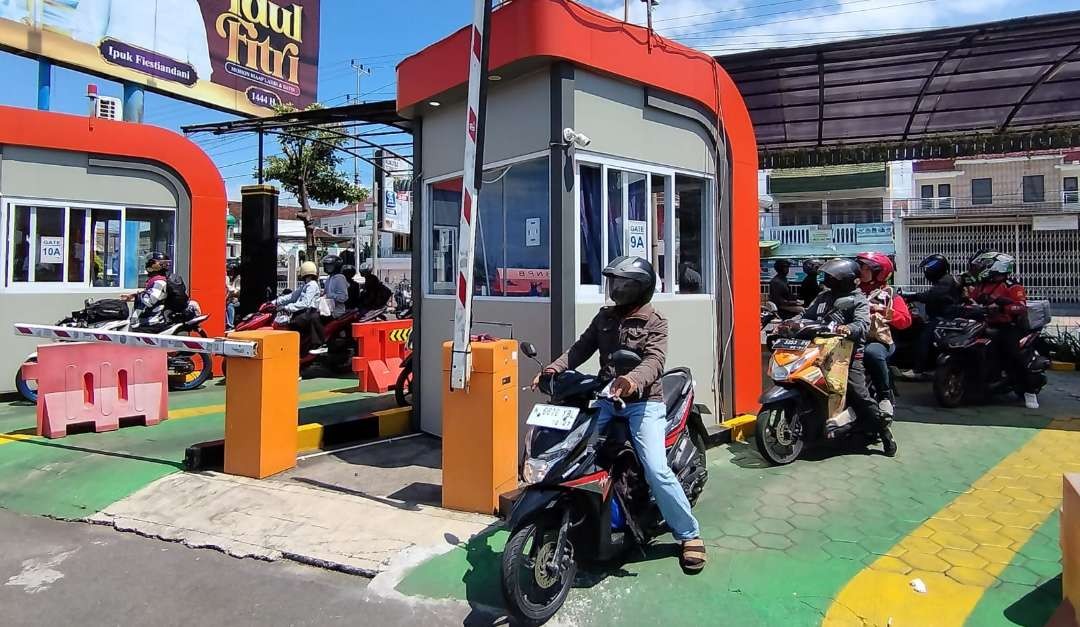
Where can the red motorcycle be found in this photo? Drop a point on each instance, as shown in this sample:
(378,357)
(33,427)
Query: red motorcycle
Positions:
(338,333)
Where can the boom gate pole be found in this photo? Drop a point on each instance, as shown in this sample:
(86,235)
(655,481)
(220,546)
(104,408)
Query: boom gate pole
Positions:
(471,181)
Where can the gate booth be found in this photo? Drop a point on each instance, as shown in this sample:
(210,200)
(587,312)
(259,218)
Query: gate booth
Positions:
(668,172)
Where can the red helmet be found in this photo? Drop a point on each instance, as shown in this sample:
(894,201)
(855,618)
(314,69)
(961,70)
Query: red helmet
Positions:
(880,266)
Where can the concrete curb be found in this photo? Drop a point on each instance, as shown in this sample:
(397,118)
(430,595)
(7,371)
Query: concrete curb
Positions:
(378,425)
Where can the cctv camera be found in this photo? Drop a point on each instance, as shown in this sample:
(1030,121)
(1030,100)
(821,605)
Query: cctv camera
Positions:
(570,136)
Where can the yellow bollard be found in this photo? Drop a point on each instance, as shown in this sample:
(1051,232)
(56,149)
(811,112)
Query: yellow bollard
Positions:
(261,405)
(480,429)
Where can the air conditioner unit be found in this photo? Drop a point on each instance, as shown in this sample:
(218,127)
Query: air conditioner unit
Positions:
(109,108)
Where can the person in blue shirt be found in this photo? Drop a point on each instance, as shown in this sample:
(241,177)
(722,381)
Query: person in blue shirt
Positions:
(299,309)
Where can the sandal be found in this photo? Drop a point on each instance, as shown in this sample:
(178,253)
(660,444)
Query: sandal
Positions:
(693,555)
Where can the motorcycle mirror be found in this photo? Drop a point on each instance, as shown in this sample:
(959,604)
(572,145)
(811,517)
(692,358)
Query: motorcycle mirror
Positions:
(528,350)
(625,361)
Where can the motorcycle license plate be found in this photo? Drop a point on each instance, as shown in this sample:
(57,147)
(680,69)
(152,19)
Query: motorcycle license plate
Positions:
(553,417)
(790,344)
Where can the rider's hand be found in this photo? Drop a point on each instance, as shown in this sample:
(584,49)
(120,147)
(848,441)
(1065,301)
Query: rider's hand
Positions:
(843,330)
(536,382)
(622,387)
(127,298)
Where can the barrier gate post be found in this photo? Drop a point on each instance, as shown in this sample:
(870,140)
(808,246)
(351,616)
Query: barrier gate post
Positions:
(480,429)
(261,404)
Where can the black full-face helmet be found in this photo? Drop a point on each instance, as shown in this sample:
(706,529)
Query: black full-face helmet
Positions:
(934,267)
(331,264)
(630,281)
(841,275)
(159,262)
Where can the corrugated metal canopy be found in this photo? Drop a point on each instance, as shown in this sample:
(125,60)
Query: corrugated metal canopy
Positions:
(1000,78)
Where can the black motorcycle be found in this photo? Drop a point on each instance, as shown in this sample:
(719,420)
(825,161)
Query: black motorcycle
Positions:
(969,365)
(586,497)
(403,388)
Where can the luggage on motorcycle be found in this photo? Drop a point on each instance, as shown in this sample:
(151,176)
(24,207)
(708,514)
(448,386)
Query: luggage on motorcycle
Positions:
(176,293)
(105,310)
(1038,315)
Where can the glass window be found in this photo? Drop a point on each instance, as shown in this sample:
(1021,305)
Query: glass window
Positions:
(48,245)
(20,245)
(512,248)
(105,248)
(1033,189)
(856,210)
(1070,191)
(982,191)
(690,222)
(591,245)
(926,192)
(145,231)
(800,213)
(616,187)
(944,192)
(76,244)
(659,205)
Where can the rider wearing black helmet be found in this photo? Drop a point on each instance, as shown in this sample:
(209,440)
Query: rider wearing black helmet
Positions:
(944,294)
(810,287)
(843,303)
(165,297)
(337,286)
(630,322)
(780,291)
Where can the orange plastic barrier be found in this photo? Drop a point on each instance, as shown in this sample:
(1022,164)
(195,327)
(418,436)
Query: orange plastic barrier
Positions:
(380,348)
(99,384)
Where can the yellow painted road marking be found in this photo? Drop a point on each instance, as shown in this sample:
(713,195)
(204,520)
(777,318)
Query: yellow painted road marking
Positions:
(202,410)
(960,551)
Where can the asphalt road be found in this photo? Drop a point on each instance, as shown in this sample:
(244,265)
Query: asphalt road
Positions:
(64,573)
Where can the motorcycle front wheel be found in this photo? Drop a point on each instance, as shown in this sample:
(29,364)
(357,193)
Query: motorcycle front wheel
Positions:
(950,383)
(403,391)
(779,434)
(27,389)
(532,592)
(202,368)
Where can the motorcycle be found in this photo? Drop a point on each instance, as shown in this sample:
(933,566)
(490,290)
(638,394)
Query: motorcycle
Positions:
(805,406)
(338,332)
(585,497)
(403,306)
(403,388)
(187,371)
(969,365)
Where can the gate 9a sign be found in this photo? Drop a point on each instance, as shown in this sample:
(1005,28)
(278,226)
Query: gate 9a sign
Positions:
(243,56)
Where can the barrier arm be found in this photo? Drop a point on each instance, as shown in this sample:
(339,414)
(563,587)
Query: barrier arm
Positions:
(471,181)
(211,346)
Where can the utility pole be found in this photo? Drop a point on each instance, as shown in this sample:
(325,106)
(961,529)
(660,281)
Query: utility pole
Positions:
(361,71)
(626,10)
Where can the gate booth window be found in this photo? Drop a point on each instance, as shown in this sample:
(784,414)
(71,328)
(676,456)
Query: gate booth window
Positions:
(624,209)
(513,252)
(79,246)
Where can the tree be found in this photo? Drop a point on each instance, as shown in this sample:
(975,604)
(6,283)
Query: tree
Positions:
(308,169)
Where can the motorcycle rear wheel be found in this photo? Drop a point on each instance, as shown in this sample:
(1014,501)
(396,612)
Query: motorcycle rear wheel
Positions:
(532,595)
(950,385)
(403,389)
(26,389)
(202,370)
(779,434)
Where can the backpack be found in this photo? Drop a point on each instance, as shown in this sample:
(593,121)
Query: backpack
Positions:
(176,293)
(105,310)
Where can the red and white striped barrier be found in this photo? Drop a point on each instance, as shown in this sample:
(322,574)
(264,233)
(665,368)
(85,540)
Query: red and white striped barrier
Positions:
(212,346)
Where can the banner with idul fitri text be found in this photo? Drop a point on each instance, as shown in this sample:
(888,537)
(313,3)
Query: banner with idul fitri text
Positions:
(243,56)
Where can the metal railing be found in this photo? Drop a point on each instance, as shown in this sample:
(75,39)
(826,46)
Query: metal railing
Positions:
(951,207)
(807,234)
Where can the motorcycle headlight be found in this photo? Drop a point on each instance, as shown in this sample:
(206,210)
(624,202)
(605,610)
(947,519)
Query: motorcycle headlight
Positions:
(537,466)
(783,371)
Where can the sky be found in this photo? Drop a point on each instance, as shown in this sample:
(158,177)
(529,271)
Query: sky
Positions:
(379,33)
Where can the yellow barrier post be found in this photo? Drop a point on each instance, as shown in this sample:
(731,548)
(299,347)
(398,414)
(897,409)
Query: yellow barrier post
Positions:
(480,429)
(261,405)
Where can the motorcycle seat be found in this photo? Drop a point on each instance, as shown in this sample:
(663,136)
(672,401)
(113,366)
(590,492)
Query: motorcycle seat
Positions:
(677,384)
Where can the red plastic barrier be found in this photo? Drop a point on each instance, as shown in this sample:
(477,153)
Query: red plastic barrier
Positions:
(380,347)
(100,384)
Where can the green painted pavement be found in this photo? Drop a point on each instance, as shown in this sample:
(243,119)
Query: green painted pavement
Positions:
(1030,587)
(782,541)
(81,474)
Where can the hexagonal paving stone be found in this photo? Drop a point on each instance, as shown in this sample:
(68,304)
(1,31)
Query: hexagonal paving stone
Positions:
(971,576)
(948,526)
(800,521)
(1019,574)
(925,562)
(739,528)
(1021,494)
(891,565)
(953,541)
(774,511)
(844,550)
(735,543)
(808,509)
(994,554)
(808,496)
(979,524)
(773,525)
(775,499)
(1039,548)
(1043,568)
(1018,536)
(966,559)
(1020,519)
(921,545)
(771,541)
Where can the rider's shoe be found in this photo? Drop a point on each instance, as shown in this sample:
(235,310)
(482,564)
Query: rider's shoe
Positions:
(885,406)
(1031,401)
(888,443)
(322,350)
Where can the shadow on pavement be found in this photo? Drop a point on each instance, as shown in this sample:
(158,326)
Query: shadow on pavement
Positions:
(1036,607)
(407,506)
(153,460)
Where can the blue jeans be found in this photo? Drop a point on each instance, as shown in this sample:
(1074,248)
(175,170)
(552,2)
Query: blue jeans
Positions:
(876,358)
(648,424)
(230,315)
